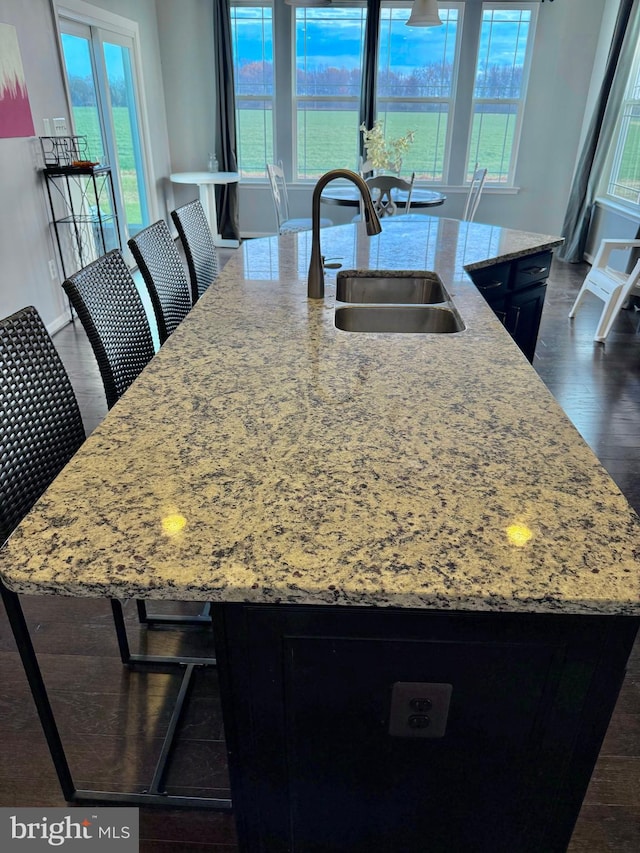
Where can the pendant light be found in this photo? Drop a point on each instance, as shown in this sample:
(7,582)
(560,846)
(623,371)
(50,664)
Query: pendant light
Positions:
(424,14)
(307,3)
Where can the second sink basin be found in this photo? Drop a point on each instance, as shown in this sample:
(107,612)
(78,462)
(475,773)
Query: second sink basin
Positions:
(421,319)
(390,286)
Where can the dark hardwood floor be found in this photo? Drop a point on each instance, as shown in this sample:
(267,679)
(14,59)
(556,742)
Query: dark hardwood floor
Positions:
(111,718)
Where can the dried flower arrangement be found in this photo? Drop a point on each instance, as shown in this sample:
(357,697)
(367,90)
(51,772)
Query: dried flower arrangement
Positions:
(383,154)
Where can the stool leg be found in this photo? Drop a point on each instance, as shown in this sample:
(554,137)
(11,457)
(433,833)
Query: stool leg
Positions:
(38,691)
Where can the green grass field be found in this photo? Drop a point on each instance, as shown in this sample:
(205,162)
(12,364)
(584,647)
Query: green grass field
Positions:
(329,139)
(332,141)
(86,121)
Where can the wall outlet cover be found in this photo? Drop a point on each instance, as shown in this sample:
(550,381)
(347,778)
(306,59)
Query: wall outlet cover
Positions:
(60,126)
(419,709)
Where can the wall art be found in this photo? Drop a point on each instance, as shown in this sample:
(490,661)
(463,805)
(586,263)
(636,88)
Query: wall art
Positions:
(15,111)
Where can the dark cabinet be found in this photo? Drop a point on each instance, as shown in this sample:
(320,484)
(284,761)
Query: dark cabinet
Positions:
(330,750)
(522,317)
(515,291)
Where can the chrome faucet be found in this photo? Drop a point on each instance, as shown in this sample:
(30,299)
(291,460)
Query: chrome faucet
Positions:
(315,288)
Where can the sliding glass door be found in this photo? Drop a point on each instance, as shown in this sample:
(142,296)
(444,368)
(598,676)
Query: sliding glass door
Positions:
(103,91)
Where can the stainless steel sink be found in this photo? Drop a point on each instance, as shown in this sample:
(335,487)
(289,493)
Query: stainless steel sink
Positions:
(422,319)
(390,286)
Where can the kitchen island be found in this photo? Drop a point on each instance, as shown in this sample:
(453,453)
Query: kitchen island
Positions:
(402,536)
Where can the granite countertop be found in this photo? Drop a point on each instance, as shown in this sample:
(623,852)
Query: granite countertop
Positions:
(266,456)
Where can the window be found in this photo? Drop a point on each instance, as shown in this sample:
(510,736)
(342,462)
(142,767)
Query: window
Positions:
(624,171)
(327,87)
(100,67)
(252,34)
(461,87)
(418,94)
(500,83)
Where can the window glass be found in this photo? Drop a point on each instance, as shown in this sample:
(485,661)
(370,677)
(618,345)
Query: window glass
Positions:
(252,34)
(328,63)
(100,69)
(416,73)
(624,179)
(118,68)
(83,92)
(500,83)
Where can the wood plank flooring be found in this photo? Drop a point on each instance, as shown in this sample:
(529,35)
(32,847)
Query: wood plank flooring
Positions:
(111,718)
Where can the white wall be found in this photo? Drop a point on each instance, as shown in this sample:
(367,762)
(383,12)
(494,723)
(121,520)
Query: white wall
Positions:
(185,32)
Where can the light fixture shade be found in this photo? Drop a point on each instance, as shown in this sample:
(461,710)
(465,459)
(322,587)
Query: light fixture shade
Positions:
(424,14)
(307,2)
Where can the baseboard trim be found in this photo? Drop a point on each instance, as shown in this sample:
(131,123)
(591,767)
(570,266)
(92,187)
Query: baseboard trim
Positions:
(59,323)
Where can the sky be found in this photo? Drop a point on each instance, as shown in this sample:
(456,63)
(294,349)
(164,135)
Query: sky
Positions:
(334,38)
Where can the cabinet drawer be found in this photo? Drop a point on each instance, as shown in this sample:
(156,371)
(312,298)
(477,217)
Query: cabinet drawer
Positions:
(530,270)
(492,282)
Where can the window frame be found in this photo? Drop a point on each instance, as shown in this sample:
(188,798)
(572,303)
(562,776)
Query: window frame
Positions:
(620,135)
(257,98)
(501,5)
(75,16)
(297,99)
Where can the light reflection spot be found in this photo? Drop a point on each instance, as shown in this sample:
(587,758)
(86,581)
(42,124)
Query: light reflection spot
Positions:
(518,534)
(173,524)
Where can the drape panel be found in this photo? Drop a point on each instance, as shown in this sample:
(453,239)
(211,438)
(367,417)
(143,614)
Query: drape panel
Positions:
(370,68)
(227,194)
(599,135)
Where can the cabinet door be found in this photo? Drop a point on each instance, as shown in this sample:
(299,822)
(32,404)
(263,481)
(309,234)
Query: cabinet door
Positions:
(492,282)
(523,317)
(530,270)
(308,697)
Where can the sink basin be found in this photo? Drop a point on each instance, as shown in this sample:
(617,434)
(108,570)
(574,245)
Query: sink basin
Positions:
(390,286)
(423,319)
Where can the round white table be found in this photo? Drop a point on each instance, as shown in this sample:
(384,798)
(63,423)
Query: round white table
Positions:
(206,183)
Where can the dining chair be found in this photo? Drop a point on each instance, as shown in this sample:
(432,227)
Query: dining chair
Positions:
(161,267)
(106,299)
(382,189)
(614,287)
(366,168)
(197,242)
(41,427)
(287,224)
(475,191)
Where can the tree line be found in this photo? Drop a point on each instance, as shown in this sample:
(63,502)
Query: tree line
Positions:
(427,81)
(256,78)
(83,92)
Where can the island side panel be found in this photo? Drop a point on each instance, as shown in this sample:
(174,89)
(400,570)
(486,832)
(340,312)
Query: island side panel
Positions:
(308,696)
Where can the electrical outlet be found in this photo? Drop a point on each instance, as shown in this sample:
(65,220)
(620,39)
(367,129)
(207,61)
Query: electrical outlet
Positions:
(419,709)
(46,123)
(53,269)
(60,126)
